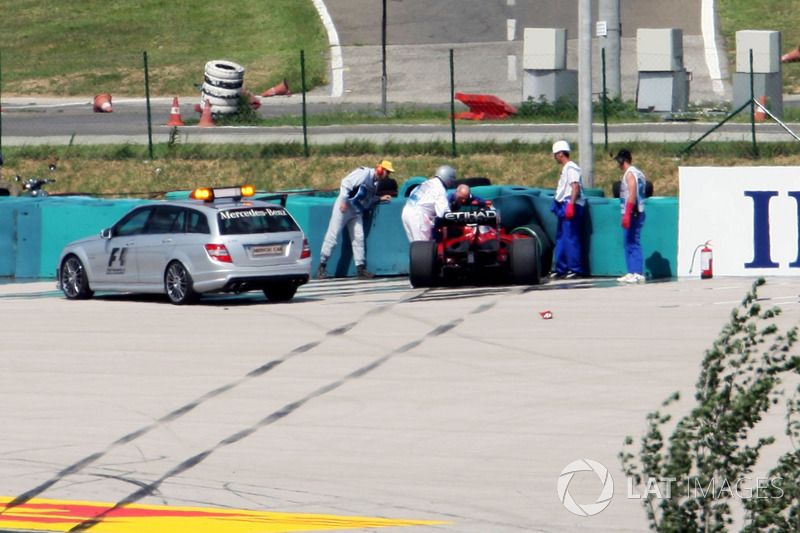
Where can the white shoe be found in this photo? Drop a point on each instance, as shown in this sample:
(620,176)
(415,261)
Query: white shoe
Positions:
(638,278)
(627,278)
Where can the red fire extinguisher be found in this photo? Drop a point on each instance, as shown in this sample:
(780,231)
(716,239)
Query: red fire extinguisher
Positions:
(706,260)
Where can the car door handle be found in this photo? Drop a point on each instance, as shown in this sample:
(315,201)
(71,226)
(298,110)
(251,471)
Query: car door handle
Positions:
(166,241)
(130,243)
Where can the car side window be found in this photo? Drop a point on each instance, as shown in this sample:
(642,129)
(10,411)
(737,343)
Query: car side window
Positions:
(197,222)
(133,223)
(164,219)
(179,224)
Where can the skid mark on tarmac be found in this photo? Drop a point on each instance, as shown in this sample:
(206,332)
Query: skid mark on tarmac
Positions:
(268,420)
(341,287)
(64,516)
(152,487)
(190,406)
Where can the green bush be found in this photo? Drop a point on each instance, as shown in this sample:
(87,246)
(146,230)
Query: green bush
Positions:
(715,444)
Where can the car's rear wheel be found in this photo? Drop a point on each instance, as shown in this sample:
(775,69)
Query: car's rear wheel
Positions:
(543,243)
(178,284)
(74,280)
(280,293)
(524,258)
(423,271)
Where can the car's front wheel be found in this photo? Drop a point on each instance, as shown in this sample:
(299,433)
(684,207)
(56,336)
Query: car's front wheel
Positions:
(178,284)
(280,293)
(74,280)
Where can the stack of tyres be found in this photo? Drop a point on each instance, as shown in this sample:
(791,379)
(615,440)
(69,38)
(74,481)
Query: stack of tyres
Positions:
(222,86)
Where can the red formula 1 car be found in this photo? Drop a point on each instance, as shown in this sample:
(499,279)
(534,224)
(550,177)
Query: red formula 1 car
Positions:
(471,246)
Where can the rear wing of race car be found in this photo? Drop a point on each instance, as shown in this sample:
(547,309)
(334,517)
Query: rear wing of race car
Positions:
(481,217)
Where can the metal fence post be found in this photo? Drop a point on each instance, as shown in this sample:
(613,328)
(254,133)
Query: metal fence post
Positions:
(753,106)
(585,140)
(1,98)
(453,104)
(384,77)
(605,101)
(147,100)
(303,88)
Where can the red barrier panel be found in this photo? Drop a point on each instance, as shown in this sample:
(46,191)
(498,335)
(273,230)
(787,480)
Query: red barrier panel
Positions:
(484,106)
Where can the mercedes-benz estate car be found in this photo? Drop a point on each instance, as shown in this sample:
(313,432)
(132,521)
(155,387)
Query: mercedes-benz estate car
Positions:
(218,241)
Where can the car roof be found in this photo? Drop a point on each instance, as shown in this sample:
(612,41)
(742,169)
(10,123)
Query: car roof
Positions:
(221,205)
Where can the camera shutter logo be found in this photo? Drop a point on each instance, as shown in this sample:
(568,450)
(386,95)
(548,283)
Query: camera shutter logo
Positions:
(588,509)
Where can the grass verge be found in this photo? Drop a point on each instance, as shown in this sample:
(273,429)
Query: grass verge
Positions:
(775,15)
(94,46)
(125,170)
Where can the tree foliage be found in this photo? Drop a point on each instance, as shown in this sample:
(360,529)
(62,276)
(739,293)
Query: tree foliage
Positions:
(710,450)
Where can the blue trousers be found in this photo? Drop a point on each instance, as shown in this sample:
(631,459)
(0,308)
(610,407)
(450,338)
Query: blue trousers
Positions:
(569,251)
(633,247)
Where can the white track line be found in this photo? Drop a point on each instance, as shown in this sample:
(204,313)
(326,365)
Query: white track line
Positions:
(511,29)
(337,63)
(512,68)
(709,30)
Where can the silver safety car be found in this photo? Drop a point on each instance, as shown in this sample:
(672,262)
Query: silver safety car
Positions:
(218,241)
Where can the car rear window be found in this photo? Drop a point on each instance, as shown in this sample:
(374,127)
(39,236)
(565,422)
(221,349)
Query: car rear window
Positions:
(255,220)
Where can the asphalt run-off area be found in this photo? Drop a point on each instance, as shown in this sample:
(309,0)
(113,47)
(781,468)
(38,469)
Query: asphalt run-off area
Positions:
(360,405)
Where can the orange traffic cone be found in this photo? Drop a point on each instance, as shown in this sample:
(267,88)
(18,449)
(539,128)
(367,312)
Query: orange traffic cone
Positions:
(282,89)
(792,56)
(175,114)
(205,119)
(102,103)
(760,115)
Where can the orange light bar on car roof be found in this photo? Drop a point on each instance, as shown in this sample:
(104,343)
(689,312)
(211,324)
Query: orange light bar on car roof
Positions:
(208,194)
(202,193)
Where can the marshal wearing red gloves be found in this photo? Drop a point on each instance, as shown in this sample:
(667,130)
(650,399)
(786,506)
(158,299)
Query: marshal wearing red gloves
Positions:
(631,195)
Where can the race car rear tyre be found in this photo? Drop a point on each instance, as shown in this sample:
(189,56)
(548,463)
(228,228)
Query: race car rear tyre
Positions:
(74,281)
(524,258)
(280,293)
(178,284)
(543,242)
(423,271)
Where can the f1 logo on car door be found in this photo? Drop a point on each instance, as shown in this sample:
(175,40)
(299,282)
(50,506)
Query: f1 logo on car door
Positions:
(116,261)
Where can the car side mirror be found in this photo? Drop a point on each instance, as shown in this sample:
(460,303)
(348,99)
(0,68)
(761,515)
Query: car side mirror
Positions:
(106,233)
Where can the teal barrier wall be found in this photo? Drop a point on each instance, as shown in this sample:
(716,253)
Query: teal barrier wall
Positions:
(8,245)
(386,242)
(34,230)
(605,252)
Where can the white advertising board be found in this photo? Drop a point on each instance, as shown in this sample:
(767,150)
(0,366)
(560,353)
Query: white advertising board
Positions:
(751,215)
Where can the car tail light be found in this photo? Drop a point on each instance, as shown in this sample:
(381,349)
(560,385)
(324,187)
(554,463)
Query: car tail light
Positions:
(306,253)
(219,253)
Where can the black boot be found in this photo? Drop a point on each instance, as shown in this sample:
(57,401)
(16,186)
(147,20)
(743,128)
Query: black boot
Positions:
(363,273)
